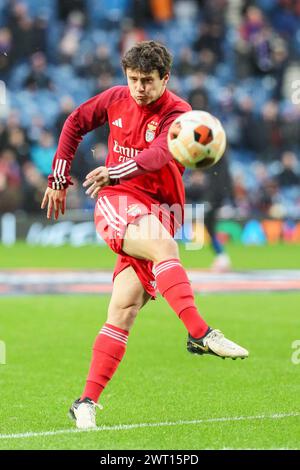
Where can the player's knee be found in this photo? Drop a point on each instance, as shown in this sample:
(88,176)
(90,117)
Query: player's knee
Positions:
(165,249)
(123,316)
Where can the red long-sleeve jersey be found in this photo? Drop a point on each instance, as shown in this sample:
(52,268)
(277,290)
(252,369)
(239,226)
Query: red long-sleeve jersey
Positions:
(138,156)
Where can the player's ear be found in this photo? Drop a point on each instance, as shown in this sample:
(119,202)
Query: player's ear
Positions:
(166,78)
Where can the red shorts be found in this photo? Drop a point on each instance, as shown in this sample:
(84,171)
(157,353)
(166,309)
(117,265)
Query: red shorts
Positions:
(113,212)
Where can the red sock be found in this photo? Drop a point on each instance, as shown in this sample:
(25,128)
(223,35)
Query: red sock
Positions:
(175,287)
(108,350)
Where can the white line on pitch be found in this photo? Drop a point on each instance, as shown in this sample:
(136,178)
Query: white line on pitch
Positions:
(124,427)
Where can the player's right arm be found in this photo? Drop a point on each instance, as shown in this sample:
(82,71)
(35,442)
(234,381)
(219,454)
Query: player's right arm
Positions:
(152,158)
(87,117)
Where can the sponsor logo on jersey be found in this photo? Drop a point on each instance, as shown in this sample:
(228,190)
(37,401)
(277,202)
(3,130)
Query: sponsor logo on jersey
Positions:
(150,131)
(128,152)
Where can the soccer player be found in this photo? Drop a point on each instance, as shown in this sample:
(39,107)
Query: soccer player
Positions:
(219,189)
(212,187)
(134,190)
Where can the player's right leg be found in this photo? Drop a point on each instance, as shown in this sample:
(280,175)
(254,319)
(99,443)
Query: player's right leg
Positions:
(129,227)
(128,297)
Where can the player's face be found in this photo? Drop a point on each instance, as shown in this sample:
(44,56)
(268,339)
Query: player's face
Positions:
(146,88)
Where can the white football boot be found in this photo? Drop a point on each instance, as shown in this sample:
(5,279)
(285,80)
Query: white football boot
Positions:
(215,343)
(84,413)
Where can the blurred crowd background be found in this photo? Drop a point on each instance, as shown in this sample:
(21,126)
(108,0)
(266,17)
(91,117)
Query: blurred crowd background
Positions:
(238,59)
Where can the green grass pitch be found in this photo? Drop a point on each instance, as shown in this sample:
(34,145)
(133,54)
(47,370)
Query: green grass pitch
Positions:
(211,403)
(278,256)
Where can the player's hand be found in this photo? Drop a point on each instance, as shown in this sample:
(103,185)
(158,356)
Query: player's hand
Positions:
(55,199)
(96,180)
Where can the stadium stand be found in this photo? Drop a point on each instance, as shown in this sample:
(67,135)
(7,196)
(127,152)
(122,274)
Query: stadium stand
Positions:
(238,59)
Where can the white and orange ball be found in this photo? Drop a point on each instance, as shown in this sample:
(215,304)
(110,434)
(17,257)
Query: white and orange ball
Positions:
(196,139)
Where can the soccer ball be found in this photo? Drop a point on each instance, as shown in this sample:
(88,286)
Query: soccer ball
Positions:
(196,139)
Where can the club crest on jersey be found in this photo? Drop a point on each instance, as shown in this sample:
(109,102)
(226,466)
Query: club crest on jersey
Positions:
(133,210)
(150,131)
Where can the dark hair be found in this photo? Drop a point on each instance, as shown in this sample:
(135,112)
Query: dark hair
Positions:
(147,56)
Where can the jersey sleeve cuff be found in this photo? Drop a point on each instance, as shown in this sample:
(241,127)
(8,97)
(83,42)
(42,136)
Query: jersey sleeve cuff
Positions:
(57,183)
(125,170)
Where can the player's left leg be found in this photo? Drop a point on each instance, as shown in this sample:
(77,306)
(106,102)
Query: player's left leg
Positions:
(128,297)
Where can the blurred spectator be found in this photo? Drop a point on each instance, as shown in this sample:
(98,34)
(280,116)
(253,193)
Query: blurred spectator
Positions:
(5,50)
(241,195)
(271,193)
(186,63)
(38,77)
(252,134)
(266,52)
(103,82)
(43,151)
(39,41)
(65,7)
(265,190)
(207,61)
(36,128)
(12,125)
(261,133)
(185,11)
(22,30)
(280,63)
(33,188)
(140,13)
(98,63)
(198,99)
(10,181)
(18,142)
(210,38)
(130,34)
(261,52)
(214,11)
(252,24)
(212,187)
(290,127)
(73,33)
(271,130)
(67,105)
(13,120)
(289,175)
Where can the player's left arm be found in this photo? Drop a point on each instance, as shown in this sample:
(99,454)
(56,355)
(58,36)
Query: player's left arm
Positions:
(151,159)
